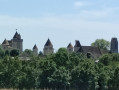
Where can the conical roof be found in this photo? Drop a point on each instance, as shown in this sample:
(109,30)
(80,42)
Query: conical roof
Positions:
(35,47)
(5,42)
(17,36)
(70,46)
(48,43)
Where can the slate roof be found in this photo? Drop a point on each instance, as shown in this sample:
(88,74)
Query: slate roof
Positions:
(95,52)
(70,46)
(17,36)
(77,43)
(5,42)
(9,41)
(48,43)
(104,51)
(35,47)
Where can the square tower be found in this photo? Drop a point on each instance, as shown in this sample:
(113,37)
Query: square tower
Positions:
(17,42)
(114,45)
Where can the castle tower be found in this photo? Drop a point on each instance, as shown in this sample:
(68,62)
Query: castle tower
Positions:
(114,45)
(70,48)
(35,50)
(77,46)
(5,44)
(48,48)
(17,42)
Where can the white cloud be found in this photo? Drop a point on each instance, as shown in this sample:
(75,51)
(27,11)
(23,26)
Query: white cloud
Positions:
(103,14)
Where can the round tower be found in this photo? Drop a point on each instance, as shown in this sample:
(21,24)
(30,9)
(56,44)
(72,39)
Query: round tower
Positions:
(70,48)
(48,48)
(35,50)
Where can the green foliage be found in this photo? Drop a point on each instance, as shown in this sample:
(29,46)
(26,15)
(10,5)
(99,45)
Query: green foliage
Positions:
(83,76)
(1,53)
(60,71)
(7,53)
(14,52)
(113,82)
(102,44)
(27,53)
(105,59)
(60,78)
(61,58)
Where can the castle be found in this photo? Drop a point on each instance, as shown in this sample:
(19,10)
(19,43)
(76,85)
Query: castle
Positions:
(17,43)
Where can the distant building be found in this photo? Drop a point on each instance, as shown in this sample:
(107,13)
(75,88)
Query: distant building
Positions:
(114,45)
(15,43)
(48,48)
(77,46)
(93,51)
(35,50)
(70,48)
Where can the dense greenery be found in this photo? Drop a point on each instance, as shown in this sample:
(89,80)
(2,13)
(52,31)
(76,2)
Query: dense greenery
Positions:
(102,44)
(61,70)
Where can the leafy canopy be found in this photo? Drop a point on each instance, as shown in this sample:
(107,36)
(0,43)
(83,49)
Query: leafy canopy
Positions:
(102,44)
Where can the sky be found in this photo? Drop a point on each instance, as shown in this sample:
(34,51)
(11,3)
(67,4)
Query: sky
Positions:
(62,21)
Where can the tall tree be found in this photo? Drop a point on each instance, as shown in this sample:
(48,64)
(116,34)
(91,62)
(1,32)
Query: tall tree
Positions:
(102,44)
(27,53)
(14,52)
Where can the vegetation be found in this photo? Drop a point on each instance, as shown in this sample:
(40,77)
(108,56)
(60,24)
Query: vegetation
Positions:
(60,71)
(14,52)
(102,44)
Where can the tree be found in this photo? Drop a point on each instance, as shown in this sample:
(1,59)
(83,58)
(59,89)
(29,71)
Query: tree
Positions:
(113,82)
(60,78)
(105,59)
(61,57)
(102,44)
(7,53)
(27,53)
(84,75)
(14,52)
(1,53)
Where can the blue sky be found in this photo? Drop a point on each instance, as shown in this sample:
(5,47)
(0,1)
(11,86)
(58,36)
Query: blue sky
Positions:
(63,21)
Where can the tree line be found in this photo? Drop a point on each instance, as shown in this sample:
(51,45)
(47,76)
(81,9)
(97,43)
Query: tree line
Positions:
(61,71)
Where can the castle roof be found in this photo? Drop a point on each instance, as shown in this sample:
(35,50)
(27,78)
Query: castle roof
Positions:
(70,46)
(17,36)
(77,43)
(5,42)
(95,52)
(48,43)
(35,47)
